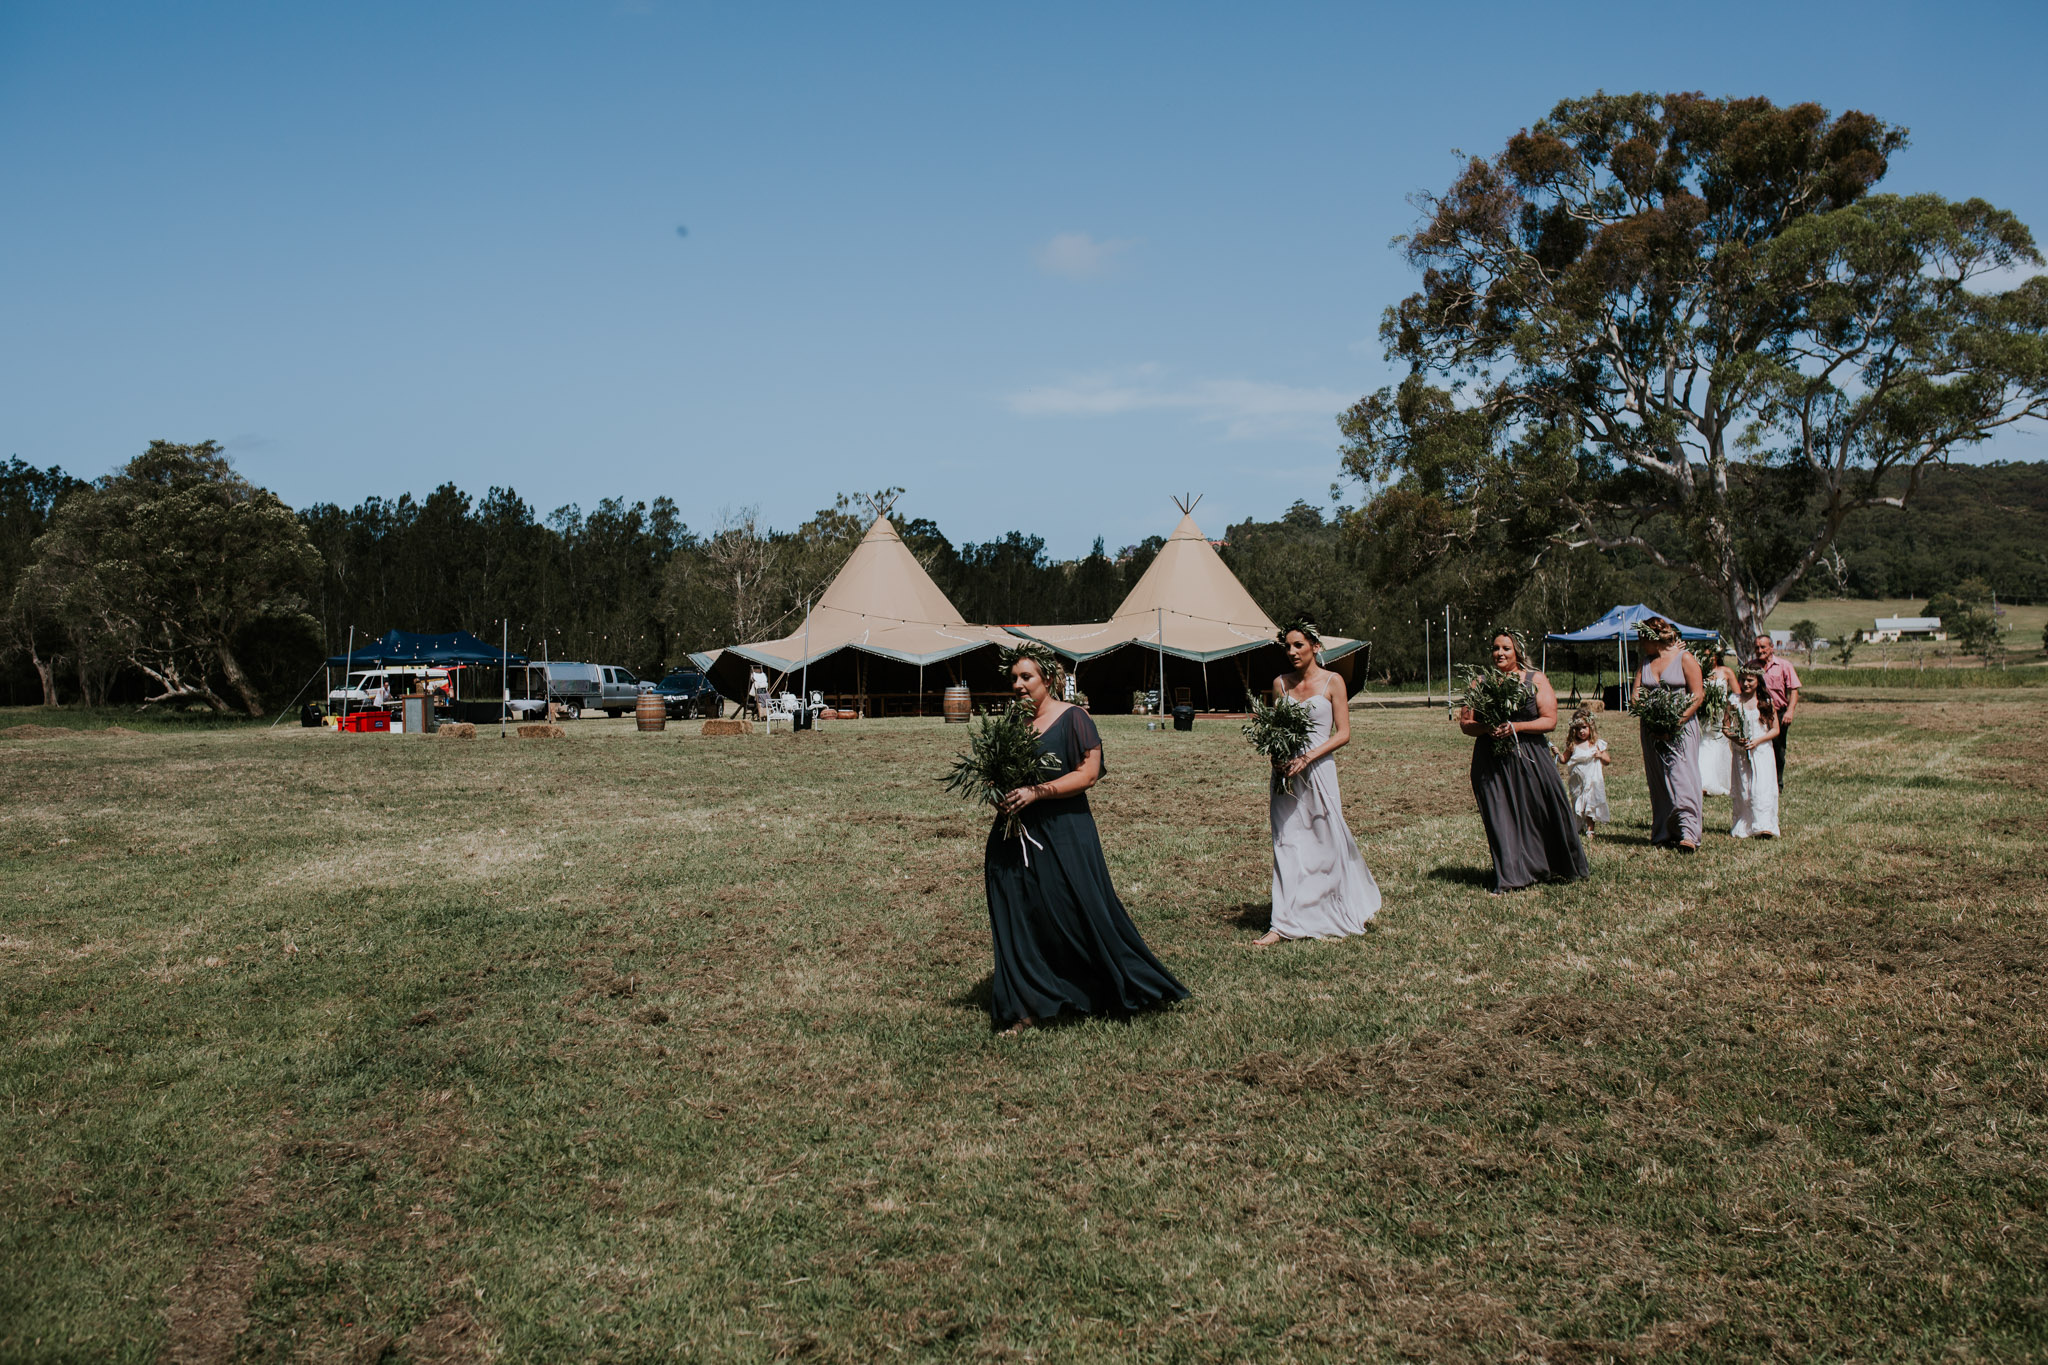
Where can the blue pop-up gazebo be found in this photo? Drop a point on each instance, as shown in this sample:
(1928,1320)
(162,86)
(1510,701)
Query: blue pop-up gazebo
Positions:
(1619,625)
(409,647)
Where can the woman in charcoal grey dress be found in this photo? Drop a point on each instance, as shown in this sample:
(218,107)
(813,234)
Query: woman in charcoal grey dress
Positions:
(1530,828)
(1063,941)
(1672,762)
(1321,885)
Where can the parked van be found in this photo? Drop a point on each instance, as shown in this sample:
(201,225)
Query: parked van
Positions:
(359,689)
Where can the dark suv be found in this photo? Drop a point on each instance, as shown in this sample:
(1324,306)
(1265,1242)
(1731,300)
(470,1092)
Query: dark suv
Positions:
(686,693)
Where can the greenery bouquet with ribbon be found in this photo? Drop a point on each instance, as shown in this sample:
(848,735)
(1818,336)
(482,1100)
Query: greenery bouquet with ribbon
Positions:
(1002,755)
(1280,730)
(1495,698)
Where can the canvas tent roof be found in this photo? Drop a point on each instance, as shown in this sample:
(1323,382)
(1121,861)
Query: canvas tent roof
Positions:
(406,647)
(1191,597)
(1620,624)
(881,602)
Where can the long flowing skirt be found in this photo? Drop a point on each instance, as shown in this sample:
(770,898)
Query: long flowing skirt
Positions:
(1715,756)
(1673,770)
(1530,828)
(1063,941)
(1755,796)
(1321,885)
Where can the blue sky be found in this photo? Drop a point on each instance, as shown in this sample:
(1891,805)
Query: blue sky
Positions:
(1040,265)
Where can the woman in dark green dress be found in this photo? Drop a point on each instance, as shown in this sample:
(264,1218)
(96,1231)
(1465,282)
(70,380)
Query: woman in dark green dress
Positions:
(1063,942)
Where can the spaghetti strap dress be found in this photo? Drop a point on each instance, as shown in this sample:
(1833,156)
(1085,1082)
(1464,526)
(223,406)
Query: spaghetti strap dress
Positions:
(1672,766)
(1530,828)
(1064,943)
(1321,885)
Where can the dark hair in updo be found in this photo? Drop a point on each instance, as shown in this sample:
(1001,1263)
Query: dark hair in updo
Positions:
(1307,628)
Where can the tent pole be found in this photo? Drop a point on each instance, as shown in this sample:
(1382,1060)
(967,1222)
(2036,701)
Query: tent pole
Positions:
(1428,662)
(807,653)
(504,674)
(348,666)
(1160,627)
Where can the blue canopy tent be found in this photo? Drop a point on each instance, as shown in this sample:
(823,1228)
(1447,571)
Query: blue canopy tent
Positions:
(437,651)
(406,648)
(1619,625)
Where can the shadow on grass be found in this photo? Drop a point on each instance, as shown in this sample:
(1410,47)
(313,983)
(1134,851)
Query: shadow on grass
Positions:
(1250,915)
(980,996)
(1463,874)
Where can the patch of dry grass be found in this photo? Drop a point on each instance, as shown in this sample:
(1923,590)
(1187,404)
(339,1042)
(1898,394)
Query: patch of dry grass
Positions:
(371,1047)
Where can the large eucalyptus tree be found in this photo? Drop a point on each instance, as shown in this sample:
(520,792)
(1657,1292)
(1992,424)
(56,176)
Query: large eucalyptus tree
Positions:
(1687,327)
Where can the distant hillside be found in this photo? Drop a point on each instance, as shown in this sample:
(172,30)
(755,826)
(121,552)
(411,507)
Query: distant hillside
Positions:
(1982,521)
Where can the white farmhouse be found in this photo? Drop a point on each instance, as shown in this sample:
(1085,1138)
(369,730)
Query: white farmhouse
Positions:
(1888,629)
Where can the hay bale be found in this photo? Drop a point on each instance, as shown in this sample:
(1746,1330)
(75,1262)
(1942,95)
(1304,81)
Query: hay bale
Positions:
(457,729)
(542,732)
(728,727)
(1593,704)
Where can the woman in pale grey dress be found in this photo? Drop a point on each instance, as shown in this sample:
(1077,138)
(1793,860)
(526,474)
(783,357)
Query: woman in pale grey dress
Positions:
(1531,830)
(1672,762)
(1321,885)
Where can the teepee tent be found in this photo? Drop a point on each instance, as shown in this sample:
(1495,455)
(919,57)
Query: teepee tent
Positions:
(1190,617)
(882,638)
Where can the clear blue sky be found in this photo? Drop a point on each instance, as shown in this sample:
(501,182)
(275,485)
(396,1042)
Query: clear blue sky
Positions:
(1040,264)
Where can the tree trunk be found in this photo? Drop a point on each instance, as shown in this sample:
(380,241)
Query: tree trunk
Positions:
(47,672)
(239,680)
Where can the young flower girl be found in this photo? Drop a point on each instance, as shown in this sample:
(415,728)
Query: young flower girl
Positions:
(1585,757)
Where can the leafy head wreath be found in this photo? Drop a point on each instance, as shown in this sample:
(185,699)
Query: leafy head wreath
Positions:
(1306,627)
(1656,628)
(1049,665)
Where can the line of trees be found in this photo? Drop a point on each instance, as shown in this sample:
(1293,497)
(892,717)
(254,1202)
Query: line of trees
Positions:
(176,581)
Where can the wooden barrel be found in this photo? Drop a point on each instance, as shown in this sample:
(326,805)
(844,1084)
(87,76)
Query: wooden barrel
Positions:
(650,713)
(959,704)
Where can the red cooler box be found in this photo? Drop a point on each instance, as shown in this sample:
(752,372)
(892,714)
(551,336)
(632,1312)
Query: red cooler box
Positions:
(361,722)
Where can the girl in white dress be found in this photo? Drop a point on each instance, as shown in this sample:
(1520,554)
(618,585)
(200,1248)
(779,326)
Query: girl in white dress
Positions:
(1716,754)
(1321,885)
(1585,759)
(1754,793)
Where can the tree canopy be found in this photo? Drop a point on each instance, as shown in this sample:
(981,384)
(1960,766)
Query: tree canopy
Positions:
(162,567)
(1687,329)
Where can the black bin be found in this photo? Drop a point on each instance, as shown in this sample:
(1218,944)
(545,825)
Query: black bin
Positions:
(803,717)
(1183,717)
(1611,697)
(309,715)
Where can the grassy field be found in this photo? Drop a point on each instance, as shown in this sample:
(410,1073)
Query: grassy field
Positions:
(635,1047)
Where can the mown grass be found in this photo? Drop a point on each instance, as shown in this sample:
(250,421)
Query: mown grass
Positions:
(633,1047)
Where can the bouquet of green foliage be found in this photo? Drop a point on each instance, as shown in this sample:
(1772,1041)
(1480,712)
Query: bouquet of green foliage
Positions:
(1716,704)
(1662,712)
(1002,755)
(1280,730)
(1495,698)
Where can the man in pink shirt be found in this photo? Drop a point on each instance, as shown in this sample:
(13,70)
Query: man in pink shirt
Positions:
(1781,682)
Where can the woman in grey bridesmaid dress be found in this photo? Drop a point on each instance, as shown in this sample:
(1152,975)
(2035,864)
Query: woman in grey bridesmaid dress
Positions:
(1321,885)
(1672,762)
(1530,828)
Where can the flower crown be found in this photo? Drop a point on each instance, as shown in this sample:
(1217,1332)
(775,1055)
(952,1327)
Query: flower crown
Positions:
(1306,627)
(1049,664)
